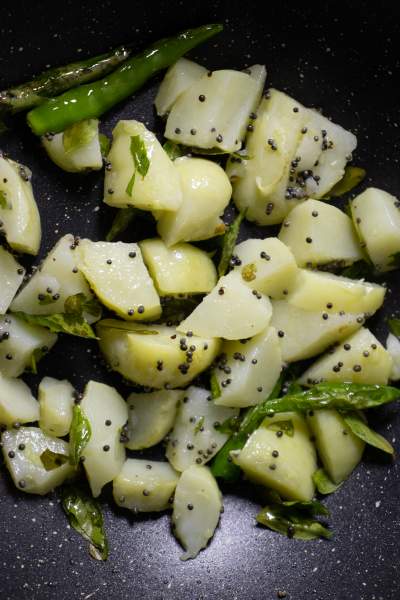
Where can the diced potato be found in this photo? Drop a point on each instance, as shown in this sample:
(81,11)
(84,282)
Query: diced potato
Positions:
(305,333)
(22,344)
(338,448)
(57,278)
(280,455)
(232,311)
(77,148)
(159,189)
(17,405)
(11,276)
(214,111)
(194,438)
(361,358)
(315,290)
(267,266)
(151,416)
(37,462)
(196,509)
(180,269)
(248,372)
(56,401)
(19,214)
(145,485)
(104,454)
(333,239)
(376,216)
(393,347)
(206,192)
(118,276)
(177,80)
(154,355)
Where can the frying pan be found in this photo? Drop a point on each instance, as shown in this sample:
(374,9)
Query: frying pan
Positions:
(339,56)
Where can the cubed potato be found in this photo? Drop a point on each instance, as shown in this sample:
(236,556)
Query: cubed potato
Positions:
(177,80)
(77,148)
(232,311)
(56,401)
(17,405)
(393,347)
(11,276)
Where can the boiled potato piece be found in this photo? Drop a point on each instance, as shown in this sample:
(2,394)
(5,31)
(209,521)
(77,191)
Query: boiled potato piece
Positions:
(280,455)
(196,509)
(206,192)
(155,355)
(37,462)
(266,265)
(306,333)
(56,401)
(247,373)
(393,347)
(376,216)
(145,485)
(194,438)
(314,290)
(232,311)
(118,276)
(338,448)
(17,405)
(57,278)
(333,239)
(22,344)
(214,111)
(177,80)
(11,276)
(158,189)
(104,454)
(77,148)
(19,214)
(151,416)
(361,358)
(180,269)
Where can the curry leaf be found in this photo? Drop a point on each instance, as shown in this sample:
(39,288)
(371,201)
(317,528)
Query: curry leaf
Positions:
(173,150)
(295,519)
(123,218)
(228,244)
(140,160)
(79,434)
(394,326)
(323,482)
(351,178)
(361,430)
(214,385)
(61,323)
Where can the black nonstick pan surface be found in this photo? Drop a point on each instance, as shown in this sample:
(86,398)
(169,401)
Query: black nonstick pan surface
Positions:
(342,56)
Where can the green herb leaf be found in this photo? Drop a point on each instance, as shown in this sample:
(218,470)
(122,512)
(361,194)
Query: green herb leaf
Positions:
(359,270)
(228,243)
(351,178)
(123,218)
(229,426)
(294,519)
(214,385)
(105,144)
(199,425)
(140,160)
(285,426)
(323,482)
(52,460)
(358,426)
(46,299)
(3,200)
(61,323)
(79,135)
(79,434)
(249,272)
(177,309)
(85,516)
(126,328)
(78,304)
(394,326)
(173,150)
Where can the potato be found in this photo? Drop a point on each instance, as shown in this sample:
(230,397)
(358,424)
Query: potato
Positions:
(145,485)
(177,80)
(151,416)
(57,278)
(196,509)
(22,345)
(194,438)
(376,216)
(267,266)
(104,454)
(77,148)
(56,401)
(180,269)
(305,333)
(159,189)
(248,372)
(154,355)
(119,278)
(361,358)
(232,311)
(17,405)
(19,214)
(333,239)
(206,192)
(280,455)
(214,111)
(32,458)
(393,347)
(11,276)
(318,291)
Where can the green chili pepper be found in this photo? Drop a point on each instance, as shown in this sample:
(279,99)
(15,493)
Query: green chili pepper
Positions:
(59,79)
(92,100)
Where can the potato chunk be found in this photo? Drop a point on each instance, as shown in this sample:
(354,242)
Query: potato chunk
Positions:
(17,405)
(11,276)
(177,80)
(56,400)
